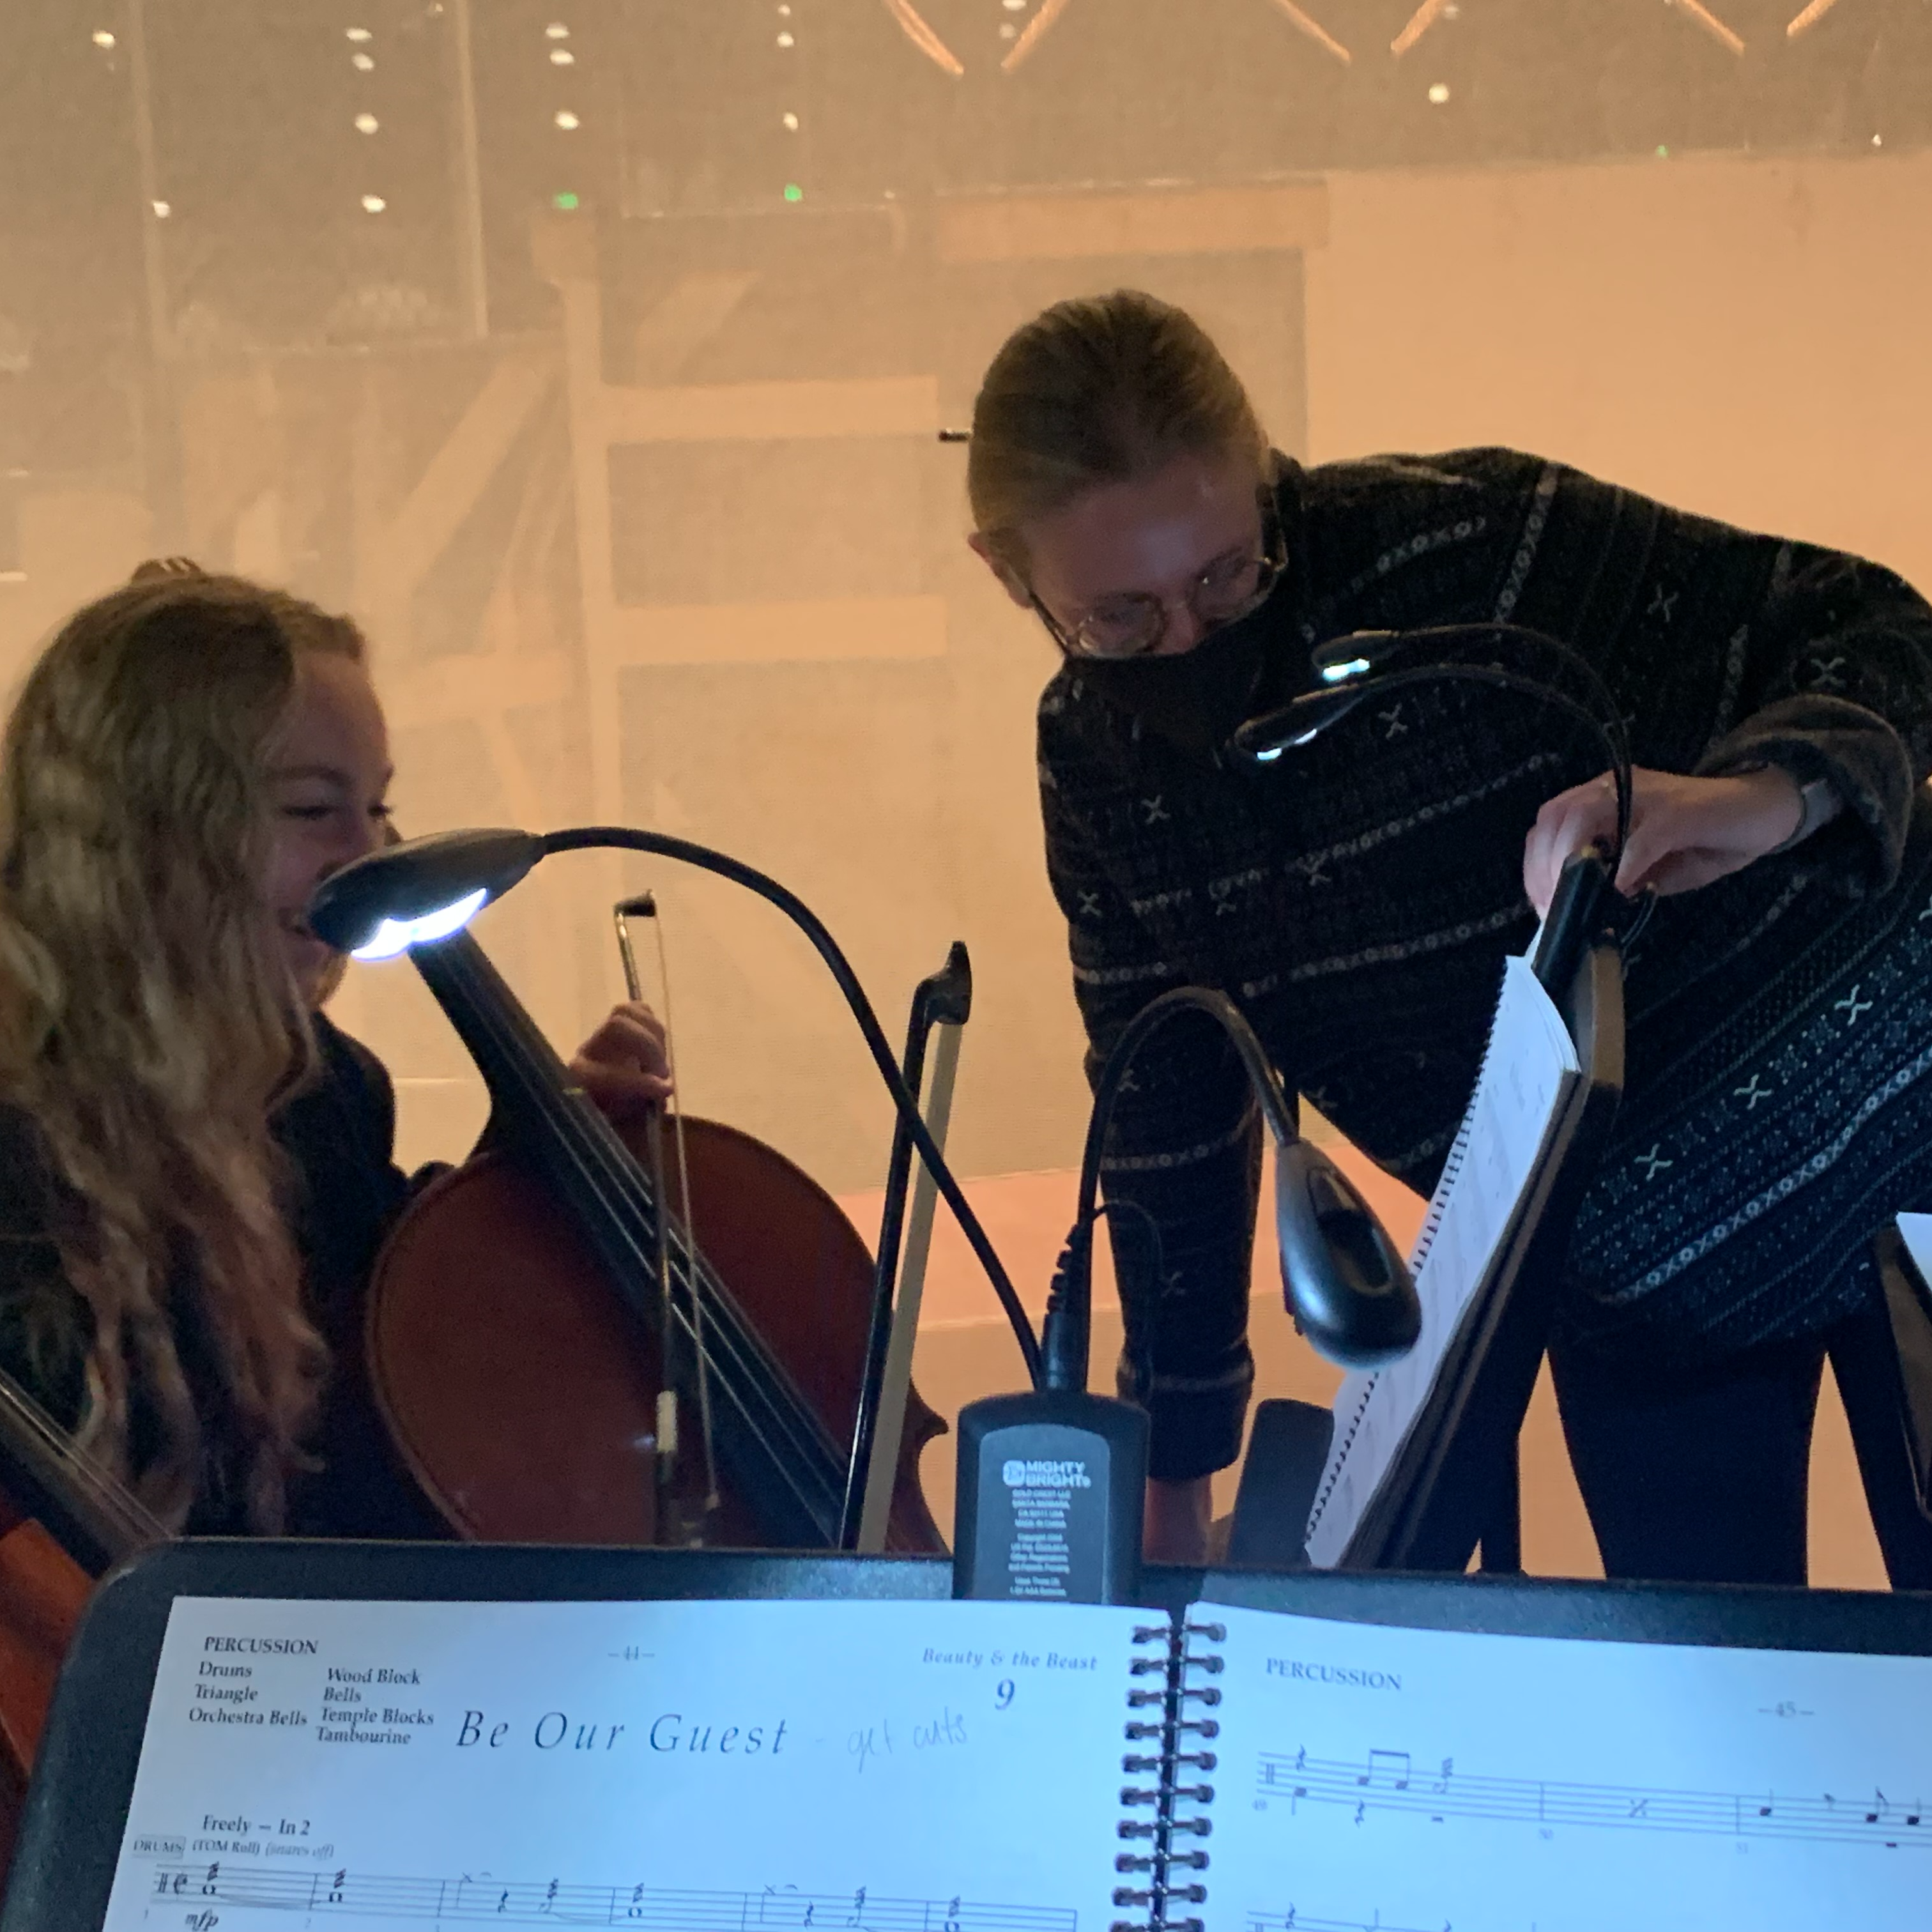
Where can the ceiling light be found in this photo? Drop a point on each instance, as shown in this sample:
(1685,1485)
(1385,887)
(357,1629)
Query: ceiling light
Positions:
(566,120)
(103,38)
(374,204)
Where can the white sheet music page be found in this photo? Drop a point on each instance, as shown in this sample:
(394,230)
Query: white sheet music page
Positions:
(1510,1116)
(711,1767)
(1412,1780)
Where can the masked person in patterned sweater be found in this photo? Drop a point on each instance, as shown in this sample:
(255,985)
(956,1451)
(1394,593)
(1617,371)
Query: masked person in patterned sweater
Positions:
(1356,900)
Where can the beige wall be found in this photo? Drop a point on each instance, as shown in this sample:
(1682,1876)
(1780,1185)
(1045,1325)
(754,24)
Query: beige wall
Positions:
(1744,337)
(1747,338)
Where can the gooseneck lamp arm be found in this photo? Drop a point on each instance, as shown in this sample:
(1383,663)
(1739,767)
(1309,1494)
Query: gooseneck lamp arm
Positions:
(1348,1289)
(1361,651)
(1263,740)
(378,905)
(1362,660)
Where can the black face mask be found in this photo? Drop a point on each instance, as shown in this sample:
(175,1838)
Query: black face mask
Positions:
(1196,700)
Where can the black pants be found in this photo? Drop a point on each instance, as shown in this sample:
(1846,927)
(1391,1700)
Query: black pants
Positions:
(1704,1477)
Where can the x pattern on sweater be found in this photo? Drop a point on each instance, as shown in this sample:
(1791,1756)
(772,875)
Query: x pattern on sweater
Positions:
(1358,900)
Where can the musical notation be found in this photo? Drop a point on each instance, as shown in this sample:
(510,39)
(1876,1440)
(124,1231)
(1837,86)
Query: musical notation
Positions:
(1388,1780)
(553,1902)
(1294,1921)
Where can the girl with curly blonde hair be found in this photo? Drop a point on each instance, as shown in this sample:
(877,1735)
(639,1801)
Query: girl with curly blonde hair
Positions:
(195,1166)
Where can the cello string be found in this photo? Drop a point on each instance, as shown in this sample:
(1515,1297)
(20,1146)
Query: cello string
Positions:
(130,1520)
(102,1489)
(666,1416)
(676,1112)
(788,1432)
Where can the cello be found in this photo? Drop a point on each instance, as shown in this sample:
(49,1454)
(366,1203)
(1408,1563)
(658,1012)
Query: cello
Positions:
(64,1522)
(532,1308)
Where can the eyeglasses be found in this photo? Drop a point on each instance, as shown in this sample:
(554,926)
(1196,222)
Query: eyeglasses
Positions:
(1132,624)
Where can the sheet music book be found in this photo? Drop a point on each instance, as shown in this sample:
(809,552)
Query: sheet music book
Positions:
(1529,1074)
(946,1767)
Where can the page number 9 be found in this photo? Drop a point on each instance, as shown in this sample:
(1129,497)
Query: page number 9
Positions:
(1003,1694)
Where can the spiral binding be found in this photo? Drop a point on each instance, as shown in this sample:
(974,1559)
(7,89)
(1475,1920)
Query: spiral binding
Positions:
(1171,1872)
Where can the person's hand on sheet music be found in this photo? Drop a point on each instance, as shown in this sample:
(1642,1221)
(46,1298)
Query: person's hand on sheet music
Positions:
(1175,1521)
(1684,831)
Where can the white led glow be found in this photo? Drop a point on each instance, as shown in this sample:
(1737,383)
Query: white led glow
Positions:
(557,30)
(1337,674)
(358,34)
(367,124)
(398,935)
(1439,93)
(566,120)
(163,210)
(374,204)
(562,57)
(362,63)
(103,38)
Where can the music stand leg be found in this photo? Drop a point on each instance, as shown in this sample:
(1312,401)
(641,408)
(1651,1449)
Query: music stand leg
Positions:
(1501,1550)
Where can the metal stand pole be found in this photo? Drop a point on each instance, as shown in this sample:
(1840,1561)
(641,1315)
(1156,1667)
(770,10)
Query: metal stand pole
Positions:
(943,1000)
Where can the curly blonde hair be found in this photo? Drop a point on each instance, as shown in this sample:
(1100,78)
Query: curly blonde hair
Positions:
(149,1023)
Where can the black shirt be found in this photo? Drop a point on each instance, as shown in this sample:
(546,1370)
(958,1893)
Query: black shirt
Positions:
(339,1136)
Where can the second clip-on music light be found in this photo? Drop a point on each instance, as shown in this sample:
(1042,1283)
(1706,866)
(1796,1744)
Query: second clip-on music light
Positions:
(1051,1483)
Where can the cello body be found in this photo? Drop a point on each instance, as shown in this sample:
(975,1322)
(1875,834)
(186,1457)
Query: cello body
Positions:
(522,1394)
(64,1522)
(42,1592)
(518,1342)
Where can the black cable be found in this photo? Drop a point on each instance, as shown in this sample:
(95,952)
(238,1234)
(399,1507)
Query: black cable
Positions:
(1319,711)
(1110,1211)
(592,837)
(1646,905)
(1064,1343)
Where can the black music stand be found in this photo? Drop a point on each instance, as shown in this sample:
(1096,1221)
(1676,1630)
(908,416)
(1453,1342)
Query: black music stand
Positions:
(77,1806)
(1882,1360)
(1453,1485)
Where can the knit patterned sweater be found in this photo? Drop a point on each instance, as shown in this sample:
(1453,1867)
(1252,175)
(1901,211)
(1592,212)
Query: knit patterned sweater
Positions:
(1356,900)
